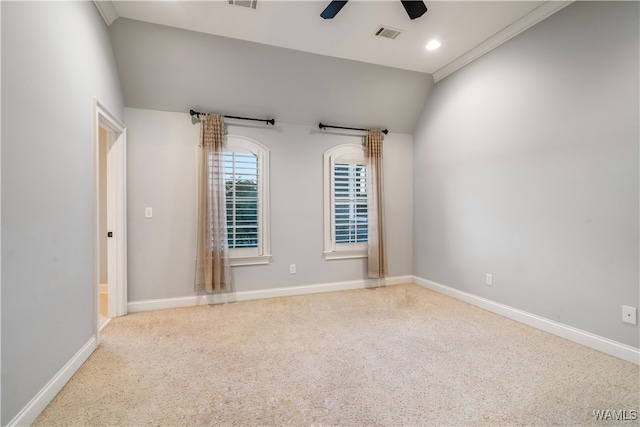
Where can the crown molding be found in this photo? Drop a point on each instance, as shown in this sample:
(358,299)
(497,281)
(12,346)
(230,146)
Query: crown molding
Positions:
(527,21)
(107,10)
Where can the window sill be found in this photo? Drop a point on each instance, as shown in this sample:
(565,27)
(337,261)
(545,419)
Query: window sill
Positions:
(250,260)
(345,254)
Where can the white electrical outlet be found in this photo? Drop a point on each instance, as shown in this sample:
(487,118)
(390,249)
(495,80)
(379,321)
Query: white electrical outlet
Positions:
(292,269)
(489,279)
(148,213)
(629,315)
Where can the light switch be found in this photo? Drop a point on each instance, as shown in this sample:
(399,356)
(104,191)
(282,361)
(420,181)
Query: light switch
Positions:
(148,212)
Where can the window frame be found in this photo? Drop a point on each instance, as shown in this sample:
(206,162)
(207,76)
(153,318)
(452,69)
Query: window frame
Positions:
(350,154)
(262,253)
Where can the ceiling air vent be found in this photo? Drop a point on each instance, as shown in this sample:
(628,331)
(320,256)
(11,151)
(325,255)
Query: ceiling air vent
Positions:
(249,4)
(387,32)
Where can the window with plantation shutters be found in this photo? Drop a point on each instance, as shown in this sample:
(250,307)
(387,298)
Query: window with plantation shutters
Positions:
(241,186)
(350,203)
(246,177)
(345,195)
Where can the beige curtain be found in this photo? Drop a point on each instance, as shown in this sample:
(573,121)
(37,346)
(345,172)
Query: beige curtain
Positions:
(213,272)
(377,262)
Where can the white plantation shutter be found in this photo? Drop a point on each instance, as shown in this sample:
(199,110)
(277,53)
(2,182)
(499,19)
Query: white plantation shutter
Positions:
(350,203)
(241,179)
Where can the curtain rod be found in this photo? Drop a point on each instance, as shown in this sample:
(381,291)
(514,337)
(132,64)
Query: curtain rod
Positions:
(323,126)
(271,122)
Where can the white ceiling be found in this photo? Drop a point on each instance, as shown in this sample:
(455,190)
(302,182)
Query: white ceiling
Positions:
(466,29)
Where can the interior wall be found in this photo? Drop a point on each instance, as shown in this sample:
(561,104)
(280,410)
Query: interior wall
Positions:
(56,58)
(161,156)
(164,68)
(526,167)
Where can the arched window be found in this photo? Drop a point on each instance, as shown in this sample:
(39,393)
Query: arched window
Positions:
(246,175)
(345,202)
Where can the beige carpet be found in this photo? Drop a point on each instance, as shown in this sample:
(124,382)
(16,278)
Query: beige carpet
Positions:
(400,355)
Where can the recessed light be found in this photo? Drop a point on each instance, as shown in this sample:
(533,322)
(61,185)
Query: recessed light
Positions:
(433,45)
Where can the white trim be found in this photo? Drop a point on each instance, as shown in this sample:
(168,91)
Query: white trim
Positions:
(538,14)
(30,412)
(596,342)
(262,254)
(107,11)
(189,301)
(104,322)
(117,216)
(108,121)
(348,153)
(120,292)
(250,260)
(344,254)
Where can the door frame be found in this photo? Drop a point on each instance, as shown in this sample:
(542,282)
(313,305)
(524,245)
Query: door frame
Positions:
(116,175)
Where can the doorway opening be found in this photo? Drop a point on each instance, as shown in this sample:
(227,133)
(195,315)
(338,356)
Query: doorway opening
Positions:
(111,230)
(103,283)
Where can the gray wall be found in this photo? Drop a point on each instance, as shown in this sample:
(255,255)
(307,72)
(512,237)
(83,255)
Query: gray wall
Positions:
(161,159)
(171,69)
(526,167)
(56,57)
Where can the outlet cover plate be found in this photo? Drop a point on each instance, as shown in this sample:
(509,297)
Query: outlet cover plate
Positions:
(629,315)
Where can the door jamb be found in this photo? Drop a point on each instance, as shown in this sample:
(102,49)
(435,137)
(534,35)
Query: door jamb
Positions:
(103,118)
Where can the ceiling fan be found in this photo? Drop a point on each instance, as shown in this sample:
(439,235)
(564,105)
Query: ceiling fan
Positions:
(415,9)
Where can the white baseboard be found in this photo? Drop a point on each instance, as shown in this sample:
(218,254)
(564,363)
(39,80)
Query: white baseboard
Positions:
(189,301)
(29,413)
(605,345)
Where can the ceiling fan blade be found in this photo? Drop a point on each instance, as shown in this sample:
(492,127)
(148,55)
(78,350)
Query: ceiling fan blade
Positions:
(415,9)
(333,9)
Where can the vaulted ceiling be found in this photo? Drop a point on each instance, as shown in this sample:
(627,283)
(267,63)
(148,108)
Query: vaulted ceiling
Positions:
(283,60)
(466,29)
